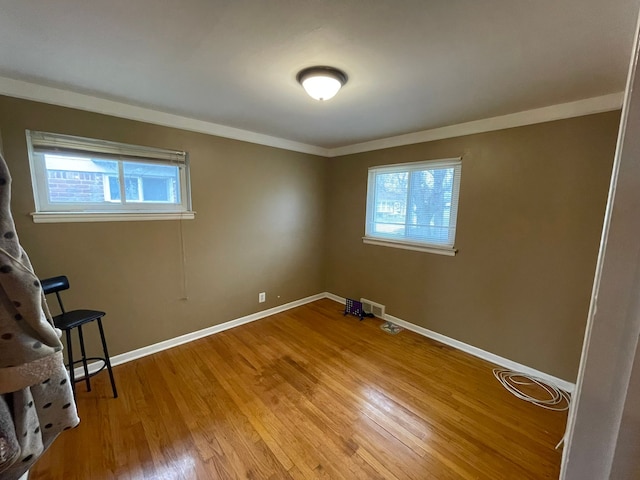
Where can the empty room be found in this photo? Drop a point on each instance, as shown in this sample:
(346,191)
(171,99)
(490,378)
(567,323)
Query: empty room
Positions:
(319,239)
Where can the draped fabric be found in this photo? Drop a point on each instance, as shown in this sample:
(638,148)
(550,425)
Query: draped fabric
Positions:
(36,400)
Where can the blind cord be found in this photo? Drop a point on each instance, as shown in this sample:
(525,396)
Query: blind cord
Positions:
(183,261)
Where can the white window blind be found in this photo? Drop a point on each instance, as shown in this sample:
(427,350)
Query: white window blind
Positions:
(83,175)
(55,143)
(414,205)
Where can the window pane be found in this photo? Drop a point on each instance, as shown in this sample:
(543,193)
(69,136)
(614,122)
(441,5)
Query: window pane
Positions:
(391,203)
(155,189)
(430,204)
(73,179)
(151,183)
(114,188)
(131,188)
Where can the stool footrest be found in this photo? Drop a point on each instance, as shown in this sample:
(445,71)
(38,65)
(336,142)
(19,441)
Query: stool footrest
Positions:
(91,374)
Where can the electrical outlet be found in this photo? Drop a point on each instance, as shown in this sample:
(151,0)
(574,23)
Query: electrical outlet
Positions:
(262,297)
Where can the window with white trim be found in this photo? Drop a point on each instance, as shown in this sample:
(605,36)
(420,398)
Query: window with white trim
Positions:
(414,205)
(75,175)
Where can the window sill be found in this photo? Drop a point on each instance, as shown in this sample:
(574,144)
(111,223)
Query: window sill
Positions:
(410,246)
(66,217)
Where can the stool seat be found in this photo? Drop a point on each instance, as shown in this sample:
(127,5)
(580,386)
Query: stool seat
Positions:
(76,317)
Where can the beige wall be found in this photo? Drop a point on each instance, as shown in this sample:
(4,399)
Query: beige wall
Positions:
(258,227)
(531,209)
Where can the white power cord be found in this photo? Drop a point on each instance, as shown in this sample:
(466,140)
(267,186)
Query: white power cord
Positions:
(554,399)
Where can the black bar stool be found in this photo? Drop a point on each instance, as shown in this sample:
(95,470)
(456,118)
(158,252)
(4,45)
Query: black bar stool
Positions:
(67,321)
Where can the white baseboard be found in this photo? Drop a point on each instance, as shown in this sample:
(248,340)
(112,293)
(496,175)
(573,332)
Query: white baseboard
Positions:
(333,297)
(189,337)
(475,351)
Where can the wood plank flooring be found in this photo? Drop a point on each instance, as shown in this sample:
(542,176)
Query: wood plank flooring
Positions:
(304,394)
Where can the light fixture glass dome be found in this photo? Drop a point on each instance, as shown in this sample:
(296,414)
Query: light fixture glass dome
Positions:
(322,83)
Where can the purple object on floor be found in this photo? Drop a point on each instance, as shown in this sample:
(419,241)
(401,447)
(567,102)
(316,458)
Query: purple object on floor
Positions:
(354,307)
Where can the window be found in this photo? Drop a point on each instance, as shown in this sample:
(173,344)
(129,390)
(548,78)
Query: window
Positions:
(414,205)
(82,179)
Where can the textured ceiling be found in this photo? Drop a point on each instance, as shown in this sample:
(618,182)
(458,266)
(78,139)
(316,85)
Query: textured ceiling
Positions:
(412,65)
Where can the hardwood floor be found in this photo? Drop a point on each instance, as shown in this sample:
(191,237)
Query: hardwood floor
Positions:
(303,394)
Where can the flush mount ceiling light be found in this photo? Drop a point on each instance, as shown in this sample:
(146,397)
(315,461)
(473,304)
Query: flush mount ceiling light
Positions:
(321,83)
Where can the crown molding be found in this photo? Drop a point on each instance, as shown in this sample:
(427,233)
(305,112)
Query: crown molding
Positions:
(66,98)
(604,103)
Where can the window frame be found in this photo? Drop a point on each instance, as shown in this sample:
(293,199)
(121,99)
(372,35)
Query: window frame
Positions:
(408,243)
(40,144)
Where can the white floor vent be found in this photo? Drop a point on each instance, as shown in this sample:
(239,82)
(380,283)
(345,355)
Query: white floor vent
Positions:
(372,307)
